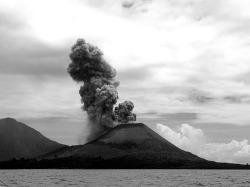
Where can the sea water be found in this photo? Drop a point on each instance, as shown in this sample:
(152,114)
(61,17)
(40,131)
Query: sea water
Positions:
(53,177)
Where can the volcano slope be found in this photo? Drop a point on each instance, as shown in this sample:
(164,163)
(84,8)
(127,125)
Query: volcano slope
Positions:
(125,146)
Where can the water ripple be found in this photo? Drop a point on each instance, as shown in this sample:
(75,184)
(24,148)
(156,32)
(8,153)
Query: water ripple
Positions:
(105,178)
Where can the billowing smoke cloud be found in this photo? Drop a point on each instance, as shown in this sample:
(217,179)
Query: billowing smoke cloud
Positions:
(98,93)
(123,112)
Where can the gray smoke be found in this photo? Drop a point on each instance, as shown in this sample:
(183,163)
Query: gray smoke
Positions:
(123,112)
(98,93)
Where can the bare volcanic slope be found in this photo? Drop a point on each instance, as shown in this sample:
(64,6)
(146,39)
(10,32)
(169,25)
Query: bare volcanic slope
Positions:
(18,140)
(133,140)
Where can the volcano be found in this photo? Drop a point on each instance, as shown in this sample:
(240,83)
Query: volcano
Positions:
(126,146)
(132,145)
(124,140)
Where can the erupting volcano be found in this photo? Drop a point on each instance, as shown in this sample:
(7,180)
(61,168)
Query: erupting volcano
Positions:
(113,140)
(98,93)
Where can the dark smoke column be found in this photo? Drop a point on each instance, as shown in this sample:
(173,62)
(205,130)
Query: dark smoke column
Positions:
(123,112)
(98,92)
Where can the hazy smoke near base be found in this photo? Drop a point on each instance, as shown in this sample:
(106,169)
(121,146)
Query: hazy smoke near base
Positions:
(98,93)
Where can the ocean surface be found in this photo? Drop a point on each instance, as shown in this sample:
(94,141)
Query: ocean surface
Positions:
(50,177)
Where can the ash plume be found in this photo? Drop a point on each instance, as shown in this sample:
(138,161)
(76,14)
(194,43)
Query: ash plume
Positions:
(98,93)
(123,112)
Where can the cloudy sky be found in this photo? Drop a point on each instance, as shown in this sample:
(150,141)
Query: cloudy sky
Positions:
(184,64)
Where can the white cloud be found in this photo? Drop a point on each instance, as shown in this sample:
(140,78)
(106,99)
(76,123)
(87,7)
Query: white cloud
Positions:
(193,140)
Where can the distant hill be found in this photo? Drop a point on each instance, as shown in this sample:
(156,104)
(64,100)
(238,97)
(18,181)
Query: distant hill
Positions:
(18,140)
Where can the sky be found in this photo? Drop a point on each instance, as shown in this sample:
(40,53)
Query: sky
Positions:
(184,64)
